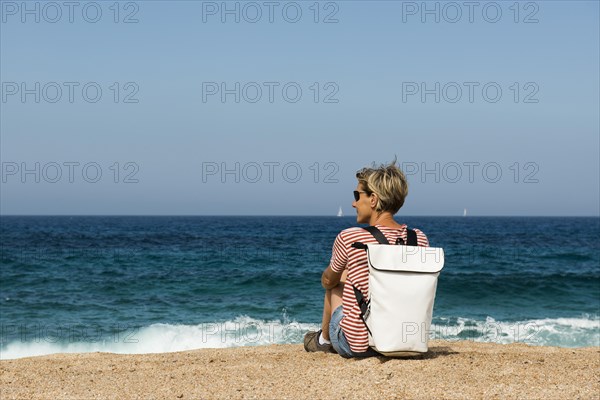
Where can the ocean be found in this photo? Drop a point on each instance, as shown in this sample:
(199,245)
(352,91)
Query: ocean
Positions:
(160,283)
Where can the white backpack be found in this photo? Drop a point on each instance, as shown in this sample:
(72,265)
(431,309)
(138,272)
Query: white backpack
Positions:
(402,285)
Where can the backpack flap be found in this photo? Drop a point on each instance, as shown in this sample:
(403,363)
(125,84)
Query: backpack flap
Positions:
(426,260)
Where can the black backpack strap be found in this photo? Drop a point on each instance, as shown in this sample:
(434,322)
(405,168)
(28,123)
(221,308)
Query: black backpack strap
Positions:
(359,245)
(377,234)
(411,237)
(363,305)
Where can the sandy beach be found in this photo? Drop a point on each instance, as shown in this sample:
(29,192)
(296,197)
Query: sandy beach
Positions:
(451,370)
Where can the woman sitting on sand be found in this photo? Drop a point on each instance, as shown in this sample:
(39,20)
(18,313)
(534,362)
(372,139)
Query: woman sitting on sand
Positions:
(379,194)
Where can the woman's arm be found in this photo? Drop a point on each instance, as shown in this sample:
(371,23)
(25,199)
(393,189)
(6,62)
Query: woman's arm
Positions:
(330,278)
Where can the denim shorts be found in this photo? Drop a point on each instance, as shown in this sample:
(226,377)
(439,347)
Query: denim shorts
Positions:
(338,338)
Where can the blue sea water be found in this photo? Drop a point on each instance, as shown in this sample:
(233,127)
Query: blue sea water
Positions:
(157,284)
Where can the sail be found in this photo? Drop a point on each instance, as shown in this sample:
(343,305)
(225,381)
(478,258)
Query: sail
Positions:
(340,212)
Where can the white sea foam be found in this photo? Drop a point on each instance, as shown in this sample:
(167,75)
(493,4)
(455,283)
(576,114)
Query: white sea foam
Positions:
(156,338)
(562,332)
(246,331)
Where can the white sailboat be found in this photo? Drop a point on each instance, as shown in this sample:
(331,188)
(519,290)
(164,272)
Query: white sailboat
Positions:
(340,212)
(465,212)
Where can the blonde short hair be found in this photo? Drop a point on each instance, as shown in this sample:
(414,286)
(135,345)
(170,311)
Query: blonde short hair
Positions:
(387,182)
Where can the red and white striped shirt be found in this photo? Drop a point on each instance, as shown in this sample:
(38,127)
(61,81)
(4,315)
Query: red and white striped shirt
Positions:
(355,261)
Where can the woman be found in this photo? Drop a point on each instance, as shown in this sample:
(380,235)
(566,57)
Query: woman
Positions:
(379,194)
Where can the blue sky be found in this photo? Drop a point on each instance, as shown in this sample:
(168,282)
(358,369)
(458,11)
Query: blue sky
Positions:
(521,137)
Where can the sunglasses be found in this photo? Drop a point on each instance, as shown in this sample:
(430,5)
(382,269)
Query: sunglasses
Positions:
(357,195)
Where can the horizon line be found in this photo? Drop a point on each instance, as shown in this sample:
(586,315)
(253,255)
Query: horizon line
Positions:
(289,215)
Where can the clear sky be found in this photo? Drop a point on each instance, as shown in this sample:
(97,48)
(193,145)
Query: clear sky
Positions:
(269,108)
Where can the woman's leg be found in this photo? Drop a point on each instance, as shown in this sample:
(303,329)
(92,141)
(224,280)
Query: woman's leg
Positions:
(333,299)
